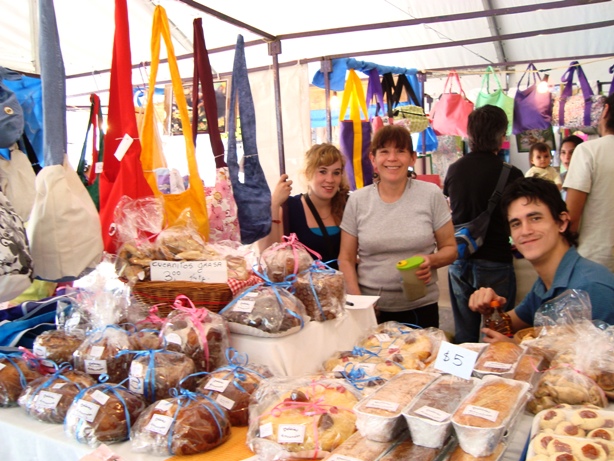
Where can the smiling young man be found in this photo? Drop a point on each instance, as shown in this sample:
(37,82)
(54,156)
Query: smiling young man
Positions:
(540,227)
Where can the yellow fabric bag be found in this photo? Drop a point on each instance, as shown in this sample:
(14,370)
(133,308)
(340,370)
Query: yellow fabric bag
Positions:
(194,197)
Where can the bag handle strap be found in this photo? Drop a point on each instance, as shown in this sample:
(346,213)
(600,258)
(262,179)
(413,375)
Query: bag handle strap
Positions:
(587,92)
(447,88)
(321,225)
(161,29)
(388,89)
(375,90)
(95,122)
(203,75)
(493,201)
(354,97)
(403,82)
(486,79)
(532,72)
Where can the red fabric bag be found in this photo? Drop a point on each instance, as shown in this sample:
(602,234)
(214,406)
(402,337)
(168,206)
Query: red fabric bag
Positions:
(125,177)
(451,113)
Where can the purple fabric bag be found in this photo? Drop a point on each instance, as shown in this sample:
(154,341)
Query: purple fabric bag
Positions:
(532,109)
(347,139)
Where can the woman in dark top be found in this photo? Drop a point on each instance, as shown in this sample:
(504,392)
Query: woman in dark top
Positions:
(327,190)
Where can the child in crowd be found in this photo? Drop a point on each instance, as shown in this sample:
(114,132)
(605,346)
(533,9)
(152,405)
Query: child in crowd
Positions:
(540,157)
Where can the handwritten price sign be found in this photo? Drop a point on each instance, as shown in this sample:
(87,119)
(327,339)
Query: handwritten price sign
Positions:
(189,271)
(455,360)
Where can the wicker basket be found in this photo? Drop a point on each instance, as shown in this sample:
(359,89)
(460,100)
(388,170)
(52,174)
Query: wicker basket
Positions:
(213,296)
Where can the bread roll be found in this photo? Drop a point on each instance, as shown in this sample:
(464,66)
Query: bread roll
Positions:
(14,373)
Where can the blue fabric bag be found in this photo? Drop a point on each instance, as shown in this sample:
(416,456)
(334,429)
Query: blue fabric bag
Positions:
(252,193)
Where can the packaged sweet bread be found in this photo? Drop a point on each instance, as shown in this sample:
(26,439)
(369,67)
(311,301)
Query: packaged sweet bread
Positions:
(300,418)
(153,373)
(265,310)
(15,374)
(99,353)
(48,398)
(459,455)
(232,385)
(359,448)
(103,413)
(287,258)
(322,291)
(184,425)
(499,358)
(408,450)
(379,415)
(199,333)
(57,346)
(145,339)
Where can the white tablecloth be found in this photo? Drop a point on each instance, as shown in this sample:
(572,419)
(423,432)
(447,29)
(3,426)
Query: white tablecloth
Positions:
(305,351)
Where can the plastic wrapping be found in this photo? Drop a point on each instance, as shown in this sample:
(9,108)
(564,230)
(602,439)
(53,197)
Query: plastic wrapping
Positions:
(197,332)
(265,309)
(56,345)
(322,291)
(15,375)
(428,416)
(183,425)
(379,415)
(484,415)
(300,418)
(103,413)
(360,448)
(98,354)
(48,398)
(232,385)
(153,373)
(287,258)
(459,455)
(406,450)
(498,359)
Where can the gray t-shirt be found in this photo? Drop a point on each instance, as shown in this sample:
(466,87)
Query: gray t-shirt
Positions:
(389,232)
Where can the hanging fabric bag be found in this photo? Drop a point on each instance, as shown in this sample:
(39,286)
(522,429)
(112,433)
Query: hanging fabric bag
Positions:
(497,98)
(91,179)
(355,133)
(413,112)
(193,199)
(252,193)
(17,181)
(532,109)
(375,91)
(580,110)
(221,205)
(450,114)
(122,172)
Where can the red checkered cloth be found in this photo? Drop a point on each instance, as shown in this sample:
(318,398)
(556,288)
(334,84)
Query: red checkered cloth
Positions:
(236,286)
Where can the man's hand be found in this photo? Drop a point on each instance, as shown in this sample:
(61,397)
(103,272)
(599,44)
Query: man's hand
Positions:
(480,300)
(492,336)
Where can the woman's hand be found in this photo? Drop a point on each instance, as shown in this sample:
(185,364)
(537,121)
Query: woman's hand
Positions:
(424,270)
(282,191)
(480,300)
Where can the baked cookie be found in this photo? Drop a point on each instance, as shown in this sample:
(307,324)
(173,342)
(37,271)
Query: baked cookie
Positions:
(551,418)
(557,446)
(601,433)
(587,419)
(540,442)
(589,451)
(570,429)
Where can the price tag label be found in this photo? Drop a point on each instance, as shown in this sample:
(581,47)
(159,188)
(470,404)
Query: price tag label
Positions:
(455,360)
(87,410)
(164,405)
(432,413)
(266,430)
(481,412)
(189,271)
(123,147)
(225,402)
(159,424)
(39,351)
(98,167)
(100,397)
(290,433)
(216,384)
(47,400)
(95,367)
(244,305)
(383,405)
(498,365)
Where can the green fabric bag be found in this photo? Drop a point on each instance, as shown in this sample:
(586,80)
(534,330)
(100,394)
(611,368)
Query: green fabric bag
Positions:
(497,98)
(91,178)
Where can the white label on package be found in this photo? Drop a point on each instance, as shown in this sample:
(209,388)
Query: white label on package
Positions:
(251,294)
(244,305)
(136,369)
(174,338)
(163,405)
(47,400)
(218,385)
(136,384)
(100,397)
(96,351)
(39,351)
(159,424)
(383,405)
(189,271)
(343,458)
(58,385)
(432,413)
(368,368)
(87,410)
(481,412)
(266,430)
(497,365)
(225,401)
(383,338)
(123,147)
(290,433)
(455,360)
(95,367)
